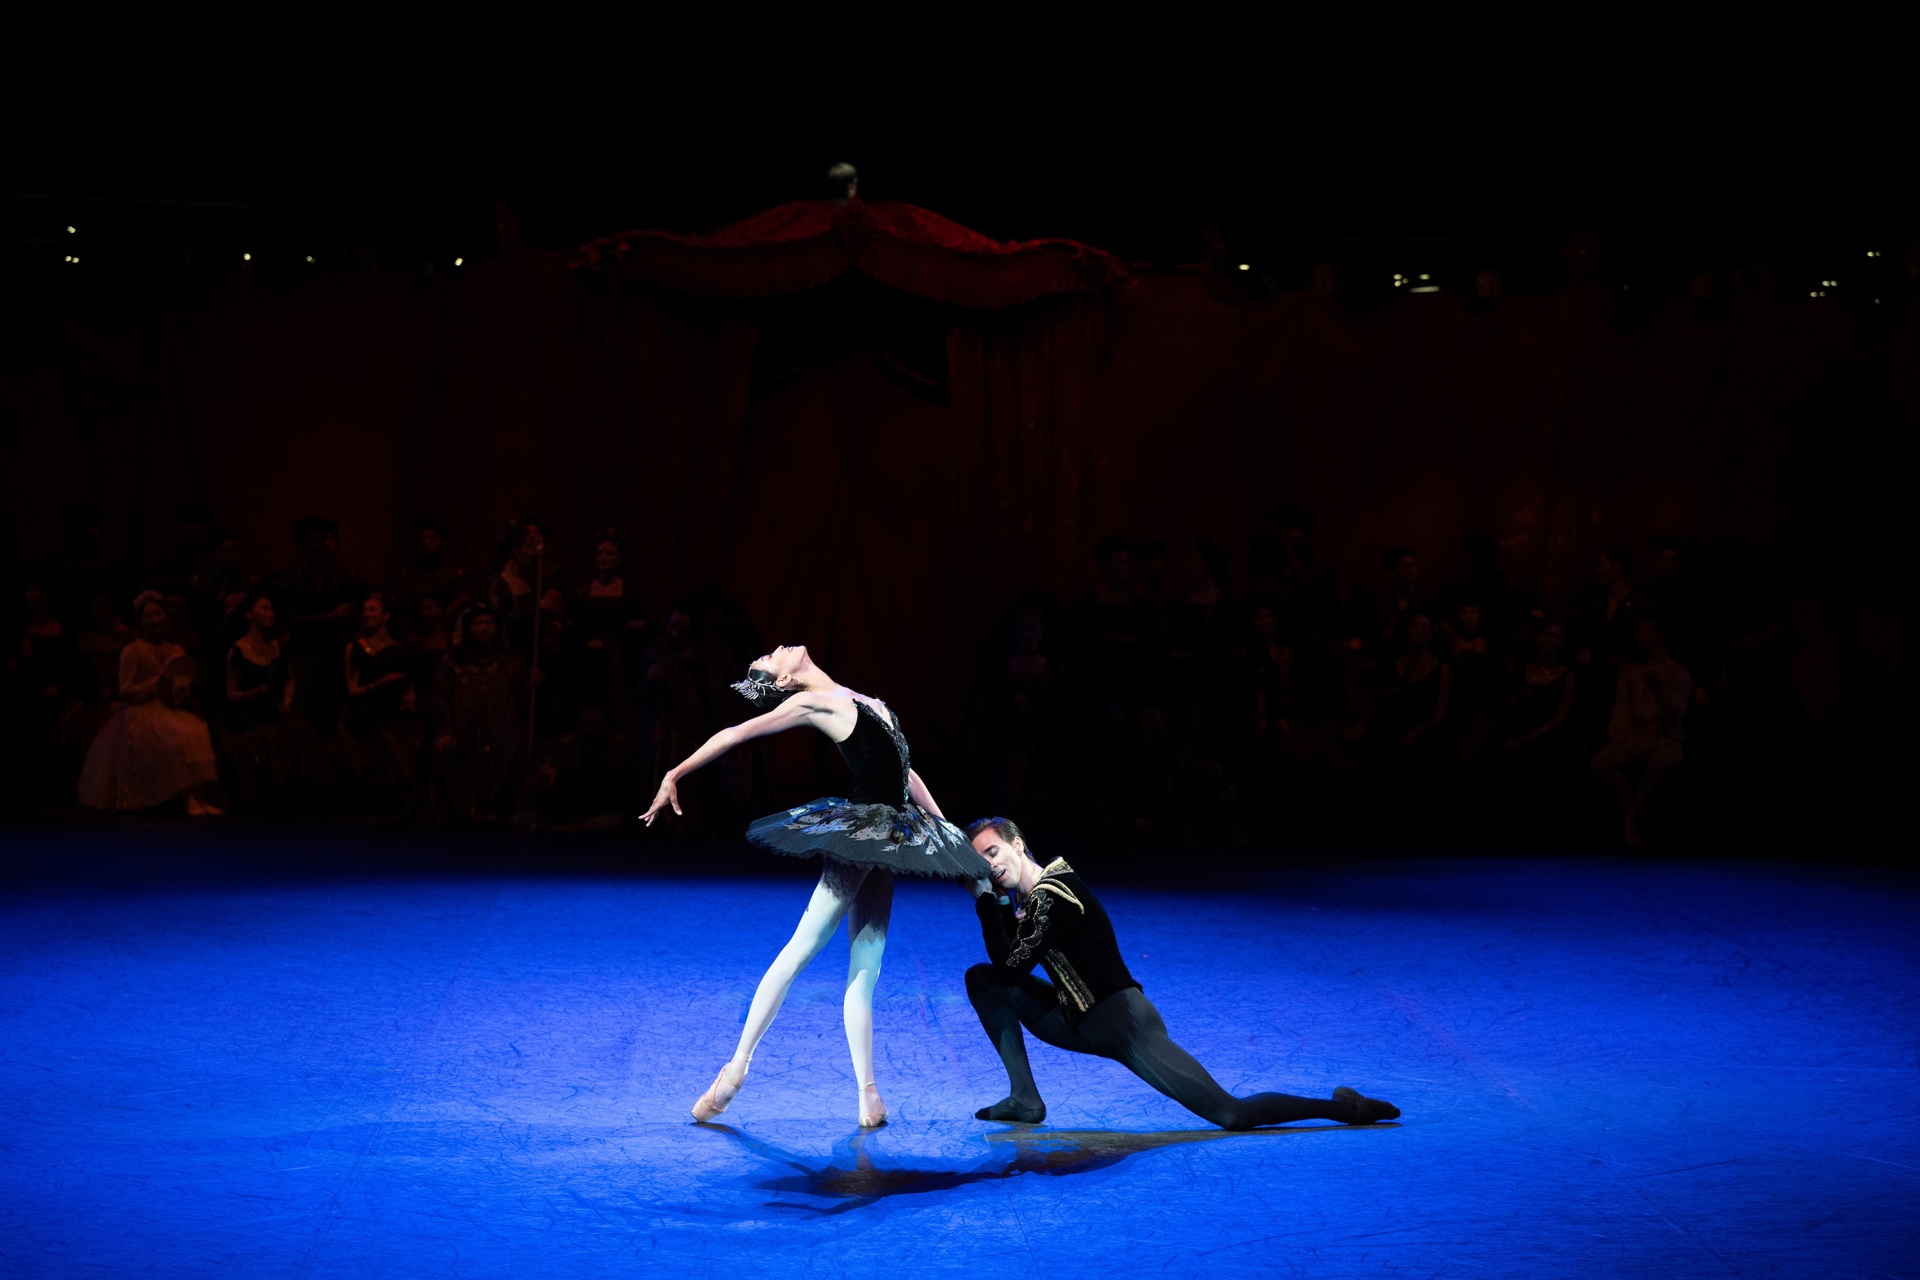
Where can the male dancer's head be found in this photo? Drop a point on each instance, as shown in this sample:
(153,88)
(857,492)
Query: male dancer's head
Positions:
(1010,864)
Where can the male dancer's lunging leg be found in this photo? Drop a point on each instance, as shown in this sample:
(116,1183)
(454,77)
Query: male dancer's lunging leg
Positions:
(1030,915)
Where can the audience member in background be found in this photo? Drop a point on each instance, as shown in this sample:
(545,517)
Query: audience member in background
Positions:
(1674,591)
(611,619)
(1112,618)
(1113,636)
(511,593)
(1410,728)
(578,779)
(570,677)
(1155,588)
(427,637)
(1760,723)
(180,623)
(101,642)
(1014,732)
(430,571)
(1287,566)
(475,721)
(1648,729)
(1537,751)
(185,570)
(1386,616)
(1605,615)
(1503,609)
(48,677)
(222,587)
(608,607)
(1279,732)
(378,743)
(255,739)
(84,570)
(666,710)
(153,748)
(1200,691)
(317,603)
(1478,668)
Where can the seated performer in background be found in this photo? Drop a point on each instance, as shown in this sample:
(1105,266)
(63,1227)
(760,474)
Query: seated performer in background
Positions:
(153,748)
(1047,916)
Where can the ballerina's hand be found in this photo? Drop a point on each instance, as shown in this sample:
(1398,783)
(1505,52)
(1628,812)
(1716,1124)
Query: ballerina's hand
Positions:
(668,794)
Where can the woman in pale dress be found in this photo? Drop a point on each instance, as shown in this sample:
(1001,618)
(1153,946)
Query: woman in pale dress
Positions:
(152,749)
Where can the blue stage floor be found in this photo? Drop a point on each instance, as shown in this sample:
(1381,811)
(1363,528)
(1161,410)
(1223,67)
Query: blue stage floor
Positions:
(1607,1069)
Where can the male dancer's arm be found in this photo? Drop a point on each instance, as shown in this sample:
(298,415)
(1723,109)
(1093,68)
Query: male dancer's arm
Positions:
(996,915)
(1014,945)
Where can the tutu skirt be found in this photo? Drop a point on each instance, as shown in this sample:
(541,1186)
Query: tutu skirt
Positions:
(907,840)
(144,756)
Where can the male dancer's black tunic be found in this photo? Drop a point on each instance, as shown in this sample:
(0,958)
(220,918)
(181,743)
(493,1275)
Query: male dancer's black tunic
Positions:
(1093,1005)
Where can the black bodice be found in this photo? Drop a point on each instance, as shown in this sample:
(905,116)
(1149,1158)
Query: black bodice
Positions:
(876,752)
(875,824)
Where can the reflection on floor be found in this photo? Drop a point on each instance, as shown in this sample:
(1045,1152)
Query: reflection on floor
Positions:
(268,1066)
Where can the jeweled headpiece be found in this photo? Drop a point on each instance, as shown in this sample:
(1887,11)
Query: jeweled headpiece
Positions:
(759,688)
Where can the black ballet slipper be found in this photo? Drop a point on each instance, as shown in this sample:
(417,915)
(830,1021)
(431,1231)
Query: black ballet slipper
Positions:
(1366,1110)
(1008,1111)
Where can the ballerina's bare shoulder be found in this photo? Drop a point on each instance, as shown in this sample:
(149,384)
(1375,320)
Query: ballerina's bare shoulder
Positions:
(841,715)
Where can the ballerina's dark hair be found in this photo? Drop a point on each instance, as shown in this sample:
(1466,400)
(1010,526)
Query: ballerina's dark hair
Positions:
(759,688)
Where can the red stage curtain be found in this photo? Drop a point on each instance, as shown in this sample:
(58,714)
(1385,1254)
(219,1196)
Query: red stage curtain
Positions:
(847,513)
(797,246)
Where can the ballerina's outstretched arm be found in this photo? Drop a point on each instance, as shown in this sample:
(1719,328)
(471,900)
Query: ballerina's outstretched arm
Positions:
(790,714)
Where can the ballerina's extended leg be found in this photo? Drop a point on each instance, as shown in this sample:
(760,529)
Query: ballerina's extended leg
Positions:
(831,898)
(867,934)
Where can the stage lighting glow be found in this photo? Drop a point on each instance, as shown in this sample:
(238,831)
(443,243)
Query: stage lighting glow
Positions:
(246,257)
(458,261)
(71,231)
(1873,253)
(1246,266)
(309,257)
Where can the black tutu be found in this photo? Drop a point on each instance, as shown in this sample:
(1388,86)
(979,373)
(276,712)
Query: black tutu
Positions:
(907,840)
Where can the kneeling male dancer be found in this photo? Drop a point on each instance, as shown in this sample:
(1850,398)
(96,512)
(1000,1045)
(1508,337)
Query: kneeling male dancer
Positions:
(1046,916)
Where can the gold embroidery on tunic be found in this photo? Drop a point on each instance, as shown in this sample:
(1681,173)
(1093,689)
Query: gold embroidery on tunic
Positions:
(1045,890)
(1067,982)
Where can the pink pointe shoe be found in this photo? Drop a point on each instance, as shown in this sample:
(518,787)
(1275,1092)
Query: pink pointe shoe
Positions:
(719,1094)
(873,1112)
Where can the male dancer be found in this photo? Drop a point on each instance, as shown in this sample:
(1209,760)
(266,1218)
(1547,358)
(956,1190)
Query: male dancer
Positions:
(1031,915)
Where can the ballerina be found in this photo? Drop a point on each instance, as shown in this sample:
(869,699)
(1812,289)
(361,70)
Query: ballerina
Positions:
(888,823)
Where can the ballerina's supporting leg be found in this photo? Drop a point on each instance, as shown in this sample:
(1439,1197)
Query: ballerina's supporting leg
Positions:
(831,897)
(867,934)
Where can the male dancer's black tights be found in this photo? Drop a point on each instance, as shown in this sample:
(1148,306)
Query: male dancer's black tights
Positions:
(1128,1029)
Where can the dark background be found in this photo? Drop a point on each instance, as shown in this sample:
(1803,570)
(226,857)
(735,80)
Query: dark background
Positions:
(356,161)
(1132,132)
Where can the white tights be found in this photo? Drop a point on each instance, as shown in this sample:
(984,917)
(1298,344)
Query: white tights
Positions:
(868,894)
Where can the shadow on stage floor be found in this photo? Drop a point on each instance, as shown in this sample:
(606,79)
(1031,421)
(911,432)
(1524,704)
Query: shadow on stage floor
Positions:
(851,1179)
